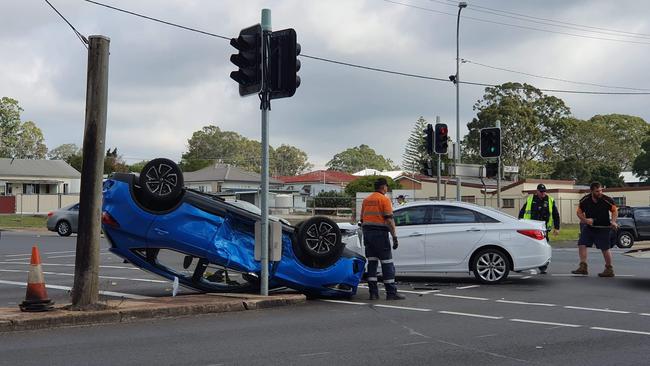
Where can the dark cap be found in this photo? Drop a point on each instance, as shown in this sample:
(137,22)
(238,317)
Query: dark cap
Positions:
(380,182)
(541,187)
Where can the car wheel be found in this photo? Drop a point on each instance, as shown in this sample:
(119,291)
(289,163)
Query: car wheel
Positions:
(625,240)
(63,228)
(490,266)
(320,237)
(161,181)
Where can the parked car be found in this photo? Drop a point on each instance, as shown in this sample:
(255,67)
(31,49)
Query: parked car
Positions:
(156,224)
(64,220)
(634,224)
(440,236)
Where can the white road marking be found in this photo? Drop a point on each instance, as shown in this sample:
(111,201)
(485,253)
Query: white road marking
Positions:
(67,288)
(18,255)
(546,323)
(601,310)
(579,275)
(72,274)
(466,287)
(16,259)
(400,307)
(413,344)
(462,297)
(526,277)
(405,291)
(346,302)
(72,265)
(314,354)
(72,255)
(525,303)
(644,314)
(621,330)
(470,315)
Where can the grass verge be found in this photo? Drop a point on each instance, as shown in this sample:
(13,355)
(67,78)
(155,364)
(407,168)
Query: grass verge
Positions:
(22,221)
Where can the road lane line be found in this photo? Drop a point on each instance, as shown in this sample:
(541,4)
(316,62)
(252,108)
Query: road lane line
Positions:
(579,275)
(67,288)
(470,315)
(524,303)
(462,297)
(620,330)
(16,259)
(466,287)
(412,344)
(104,277)
(405,291)
(72,265)
(400,307)
(526,277)
(600,310)
(345,302)
(546,323)
(71,255)
(314,354)
(18,255)
(644,314)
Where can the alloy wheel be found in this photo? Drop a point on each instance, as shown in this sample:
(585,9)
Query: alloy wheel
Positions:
(491,267)
(321,237)
(161,180)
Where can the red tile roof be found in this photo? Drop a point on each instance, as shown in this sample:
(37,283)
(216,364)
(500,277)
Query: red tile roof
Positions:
(320,176)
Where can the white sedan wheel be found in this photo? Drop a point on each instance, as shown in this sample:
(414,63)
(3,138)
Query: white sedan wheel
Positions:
(491,266)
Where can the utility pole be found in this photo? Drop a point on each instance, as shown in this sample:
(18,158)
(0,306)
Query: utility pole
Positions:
(265,107)
(85,292)
(498,125)
(461,6)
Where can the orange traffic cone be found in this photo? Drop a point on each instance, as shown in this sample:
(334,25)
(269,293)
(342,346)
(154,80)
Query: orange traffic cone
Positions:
(36,297)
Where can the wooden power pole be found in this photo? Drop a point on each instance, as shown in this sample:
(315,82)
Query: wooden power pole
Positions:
(85,293)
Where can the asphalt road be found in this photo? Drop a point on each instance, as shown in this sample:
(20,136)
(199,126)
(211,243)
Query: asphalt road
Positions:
(551,319)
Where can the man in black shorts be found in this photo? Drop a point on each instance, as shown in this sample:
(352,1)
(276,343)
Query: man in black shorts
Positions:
(595,225)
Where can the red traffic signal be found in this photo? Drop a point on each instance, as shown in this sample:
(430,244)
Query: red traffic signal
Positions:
(441,138)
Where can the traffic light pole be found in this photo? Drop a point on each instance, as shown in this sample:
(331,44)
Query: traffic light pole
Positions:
(265,106)
(498,124)
(439,159)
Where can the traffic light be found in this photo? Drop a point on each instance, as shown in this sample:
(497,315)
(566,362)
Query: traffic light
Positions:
(428,139)
(249,60)
(491,142)
(441,138)
(284,64)
(491,170)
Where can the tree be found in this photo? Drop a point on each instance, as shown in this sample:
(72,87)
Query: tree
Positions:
(530,123)
(137,167)
(641,165)
(358,158)
(415,154)
(63,152)
(289,160)
(9,126)
(623,136)
(584,172)
(113,163)
(30,143)
(211,144)
(367,184)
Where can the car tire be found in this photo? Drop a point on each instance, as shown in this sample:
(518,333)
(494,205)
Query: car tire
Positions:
(625,240)
(490,266)
(63,228)
(161,183)
(320,238)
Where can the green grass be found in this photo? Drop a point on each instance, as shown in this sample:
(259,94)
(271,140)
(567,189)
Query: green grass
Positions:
(21,222)
(567,232)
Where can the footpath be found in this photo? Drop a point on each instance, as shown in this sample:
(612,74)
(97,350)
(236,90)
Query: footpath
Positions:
(121,311)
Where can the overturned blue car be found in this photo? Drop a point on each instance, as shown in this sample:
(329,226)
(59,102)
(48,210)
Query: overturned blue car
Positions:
(156,224)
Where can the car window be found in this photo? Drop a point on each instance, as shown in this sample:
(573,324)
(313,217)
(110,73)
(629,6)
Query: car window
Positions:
(75,207)
(485,218)
(411,216)
(453,215)
(642,213)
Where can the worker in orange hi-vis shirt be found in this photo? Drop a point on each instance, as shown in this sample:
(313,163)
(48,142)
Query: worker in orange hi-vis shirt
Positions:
(377,222)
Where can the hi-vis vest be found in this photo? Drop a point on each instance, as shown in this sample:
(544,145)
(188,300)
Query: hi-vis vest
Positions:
(375,209)
(528,213)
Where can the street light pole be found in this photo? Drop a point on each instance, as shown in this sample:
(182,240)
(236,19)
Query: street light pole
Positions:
(461,5)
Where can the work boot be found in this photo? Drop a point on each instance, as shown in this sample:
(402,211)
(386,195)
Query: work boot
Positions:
(582,269)
(373,296)
(395,296)
(608,272)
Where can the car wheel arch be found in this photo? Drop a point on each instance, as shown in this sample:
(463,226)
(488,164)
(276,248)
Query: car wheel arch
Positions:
(477,250)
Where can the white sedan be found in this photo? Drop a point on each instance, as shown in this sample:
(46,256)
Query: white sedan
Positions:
(441,236)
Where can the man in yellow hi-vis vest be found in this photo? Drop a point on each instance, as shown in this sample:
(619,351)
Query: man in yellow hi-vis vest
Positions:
(541,207)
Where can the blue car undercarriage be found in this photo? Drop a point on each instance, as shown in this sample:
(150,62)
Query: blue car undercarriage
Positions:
(156,224)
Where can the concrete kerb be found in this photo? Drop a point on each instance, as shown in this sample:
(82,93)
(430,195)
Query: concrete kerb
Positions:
(12,319)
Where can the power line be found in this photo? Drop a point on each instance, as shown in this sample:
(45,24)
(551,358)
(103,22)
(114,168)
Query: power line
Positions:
(81,37)
(543,21)
(550,78)
(158,20)
(516,25)
(472,6)
(358,65)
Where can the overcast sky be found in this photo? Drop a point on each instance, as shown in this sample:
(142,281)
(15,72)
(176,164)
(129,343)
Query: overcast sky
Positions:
(165,83)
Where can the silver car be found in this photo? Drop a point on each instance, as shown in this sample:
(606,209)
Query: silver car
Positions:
(64,220)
